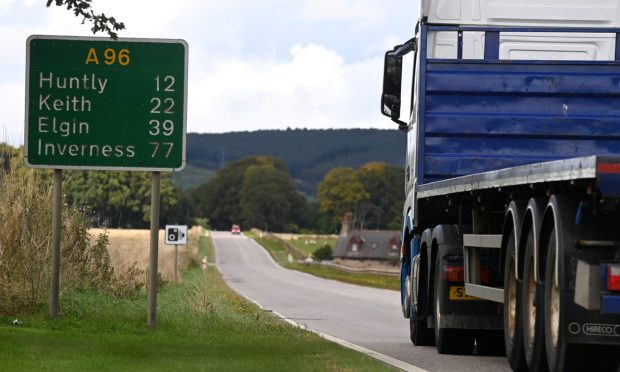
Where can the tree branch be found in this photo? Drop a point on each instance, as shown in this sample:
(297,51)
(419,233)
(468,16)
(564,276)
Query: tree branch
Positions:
(82,8)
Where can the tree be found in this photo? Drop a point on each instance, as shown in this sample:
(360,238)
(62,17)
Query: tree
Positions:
(374,195)
(121,198)
(385,185)
(267,196)
(323,253)
(341,191)
(251,191)
(101,22)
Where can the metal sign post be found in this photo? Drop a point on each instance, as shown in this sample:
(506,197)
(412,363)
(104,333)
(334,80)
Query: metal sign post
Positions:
(155,203)
(176,260)
(55,274)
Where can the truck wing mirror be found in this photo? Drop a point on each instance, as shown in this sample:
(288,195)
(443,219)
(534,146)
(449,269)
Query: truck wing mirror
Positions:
(392,80)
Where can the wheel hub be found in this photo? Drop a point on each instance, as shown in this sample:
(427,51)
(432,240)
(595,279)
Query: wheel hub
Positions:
(512,300)
(531,304)
(555,309)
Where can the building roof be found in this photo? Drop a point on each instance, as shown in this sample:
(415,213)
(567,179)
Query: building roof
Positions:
(368,244)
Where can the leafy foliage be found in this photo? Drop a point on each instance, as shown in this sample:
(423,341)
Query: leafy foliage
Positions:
(373,194)
(308,154)
(267,197)
(101,22)
(119,199)
(324,253)
(342,191)
(254,192)
(385,185)
(25,232)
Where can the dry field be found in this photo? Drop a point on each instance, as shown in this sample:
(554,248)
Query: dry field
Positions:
(128,246)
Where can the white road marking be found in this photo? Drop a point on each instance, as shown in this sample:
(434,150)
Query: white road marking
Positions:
(382,357)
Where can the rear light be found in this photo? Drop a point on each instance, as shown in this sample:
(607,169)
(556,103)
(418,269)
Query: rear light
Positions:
(454,274)
(613,277)
(457,274)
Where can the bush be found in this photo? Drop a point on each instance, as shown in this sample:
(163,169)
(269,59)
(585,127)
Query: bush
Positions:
(323,253)
(202,222)
(25,245)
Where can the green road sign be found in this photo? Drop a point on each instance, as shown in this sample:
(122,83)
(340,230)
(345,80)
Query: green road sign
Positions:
(96,103)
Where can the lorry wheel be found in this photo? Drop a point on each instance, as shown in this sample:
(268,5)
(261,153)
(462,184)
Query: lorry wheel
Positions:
(407,296)
(448,340)
(419,332)
(513,338)
(532,312)
(561,356)
(405,281)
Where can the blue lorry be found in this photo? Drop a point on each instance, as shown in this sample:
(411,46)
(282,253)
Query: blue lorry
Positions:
(511,228)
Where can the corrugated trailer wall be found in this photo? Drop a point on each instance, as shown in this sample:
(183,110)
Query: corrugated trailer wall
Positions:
(481,115)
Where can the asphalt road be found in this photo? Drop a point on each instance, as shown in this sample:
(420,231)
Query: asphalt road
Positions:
(364,316)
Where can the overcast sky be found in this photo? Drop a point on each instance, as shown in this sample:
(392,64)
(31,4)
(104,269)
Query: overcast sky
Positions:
(268,64)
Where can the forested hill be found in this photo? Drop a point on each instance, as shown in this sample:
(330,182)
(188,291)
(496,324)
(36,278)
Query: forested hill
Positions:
(309,154)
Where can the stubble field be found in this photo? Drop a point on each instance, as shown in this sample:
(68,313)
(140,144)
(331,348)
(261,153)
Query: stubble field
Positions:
(129,246)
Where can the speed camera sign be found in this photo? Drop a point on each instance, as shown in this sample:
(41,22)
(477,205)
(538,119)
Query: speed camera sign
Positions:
(176,234)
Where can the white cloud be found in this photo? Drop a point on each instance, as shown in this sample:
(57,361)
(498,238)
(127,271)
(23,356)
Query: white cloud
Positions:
(350,10)
(5,5)
(314,88)
(12,120)
(253,65)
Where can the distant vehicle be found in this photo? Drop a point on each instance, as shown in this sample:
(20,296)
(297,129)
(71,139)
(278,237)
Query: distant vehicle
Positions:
(235,229)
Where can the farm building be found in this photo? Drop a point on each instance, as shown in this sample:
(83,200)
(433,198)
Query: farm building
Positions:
(368,245)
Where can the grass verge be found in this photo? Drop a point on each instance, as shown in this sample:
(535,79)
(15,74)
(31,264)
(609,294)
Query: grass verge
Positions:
(279,253)
(202,325)
(309,246)
(205,248)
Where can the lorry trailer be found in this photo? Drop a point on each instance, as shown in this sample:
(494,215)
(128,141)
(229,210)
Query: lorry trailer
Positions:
(511,224)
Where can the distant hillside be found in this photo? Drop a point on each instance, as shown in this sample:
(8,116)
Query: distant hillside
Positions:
(309,154)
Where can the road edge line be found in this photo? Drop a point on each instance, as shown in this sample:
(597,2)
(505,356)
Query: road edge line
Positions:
(374,354)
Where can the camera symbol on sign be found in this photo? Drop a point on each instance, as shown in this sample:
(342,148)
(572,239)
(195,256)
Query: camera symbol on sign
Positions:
(174,235)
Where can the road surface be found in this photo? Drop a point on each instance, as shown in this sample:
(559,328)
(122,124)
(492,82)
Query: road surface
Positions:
(364,316)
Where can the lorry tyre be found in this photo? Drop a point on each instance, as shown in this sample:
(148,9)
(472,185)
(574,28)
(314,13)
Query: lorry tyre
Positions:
(561,355)
(405,280)
(419,332)
(532,312)
(513,338)
(448,340)
(407,296)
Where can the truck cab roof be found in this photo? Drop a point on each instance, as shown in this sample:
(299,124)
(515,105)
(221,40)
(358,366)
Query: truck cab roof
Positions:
(566,13)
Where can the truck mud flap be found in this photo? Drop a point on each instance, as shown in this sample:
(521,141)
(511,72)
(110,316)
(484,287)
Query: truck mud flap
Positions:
(472,314)
(590,326)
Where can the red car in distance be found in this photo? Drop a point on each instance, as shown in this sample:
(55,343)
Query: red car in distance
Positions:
(235,229)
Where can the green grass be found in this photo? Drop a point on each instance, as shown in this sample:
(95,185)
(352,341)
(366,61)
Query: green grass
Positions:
(205,246)
(280,254)
(201,325)
(312,244)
